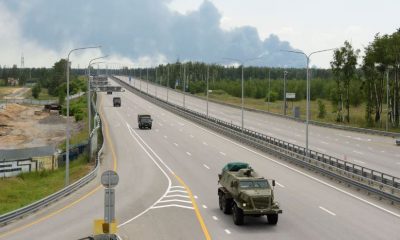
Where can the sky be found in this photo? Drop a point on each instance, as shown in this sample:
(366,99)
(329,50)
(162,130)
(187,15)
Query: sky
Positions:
(145,33)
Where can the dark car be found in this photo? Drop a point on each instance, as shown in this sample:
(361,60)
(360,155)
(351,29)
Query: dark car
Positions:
(117,102)
(144,121)
(398,141)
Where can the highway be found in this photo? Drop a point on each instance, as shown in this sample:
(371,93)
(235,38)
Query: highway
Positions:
(168,189)
(372,151)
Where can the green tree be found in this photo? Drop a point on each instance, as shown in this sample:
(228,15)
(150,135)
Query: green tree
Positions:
(36,91)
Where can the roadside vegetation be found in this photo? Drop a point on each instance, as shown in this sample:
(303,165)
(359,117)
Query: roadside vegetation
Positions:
(27,188)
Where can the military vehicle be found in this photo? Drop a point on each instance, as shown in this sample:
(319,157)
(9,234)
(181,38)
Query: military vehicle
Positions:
(144,120)
(117,102)
(244,193)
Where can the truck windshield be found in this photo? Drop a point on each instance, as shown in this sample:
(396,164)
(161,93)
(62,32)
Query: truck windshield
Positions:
(254,184)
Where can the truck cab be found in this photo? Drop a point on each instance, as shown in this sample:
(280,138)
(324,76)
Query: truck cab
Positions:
(117,102)
(144,121)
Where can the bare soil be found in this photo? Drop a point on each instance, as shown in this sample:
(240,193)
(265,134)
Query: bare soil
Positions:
(25,126)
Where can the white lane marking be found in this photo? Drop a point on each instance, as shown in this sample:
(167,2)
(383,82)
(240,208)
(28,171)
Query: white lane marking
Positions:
(171,205)
(176,144)
(191,136)
(174,200)
(359,161)
(176,195)
(172,187)
(195,197)
(188,153)
(369,139)
(177,191)
(300,172)
(324,143)
(165,137)
(206,166)
(358,152)
(227,231)
(204,143)
(222,153)
(326,210)
(280,185)
(215,218)
(204,206)
(155,162)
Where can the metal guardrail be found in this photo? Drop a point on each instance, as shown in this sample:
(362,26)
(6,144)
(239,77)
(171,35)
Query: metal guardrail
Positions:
(33,207)
(27,101)
(368,179)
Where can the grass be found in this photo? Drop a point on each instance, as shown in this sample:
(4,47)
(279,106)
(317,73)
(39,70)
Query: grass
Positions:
(43,95)
(26,188)
(357,114)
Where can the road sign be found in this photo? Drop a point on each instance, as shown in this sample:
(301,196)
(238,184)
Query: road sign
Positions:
(290,95)
(109,179)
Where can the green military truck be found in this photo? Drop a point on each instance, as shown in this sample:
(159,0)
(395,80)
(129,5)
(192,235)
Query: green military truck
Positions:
(144,121)
(244,193)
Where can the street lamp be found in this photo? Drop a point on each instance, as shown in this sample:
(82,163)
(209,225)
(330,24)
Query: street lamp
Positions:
(67,128)
(284,91)
(88,90)
(308,86)
(242,62)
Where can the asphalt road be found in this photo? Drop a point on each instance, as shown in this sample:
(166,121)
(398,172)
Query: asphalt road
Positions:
(372,151)
(168,189)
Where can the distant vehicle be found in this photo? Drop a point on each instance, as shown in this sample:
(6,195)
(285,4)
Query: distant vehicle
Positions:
(52,107)
(117,102)
(398,141)
(144,120)
(245,193)
(109,92)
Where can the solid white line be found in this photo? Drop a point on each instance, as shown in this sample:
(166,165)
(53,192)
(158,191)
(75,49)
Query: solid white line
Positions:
(326,210)
(359,161)
(358,152)
(172,205)
(300,172)
(162,170)
(215,218)
(204,206)
(174,200)
(227,231)
(206,166)
(280,185)
(177,187)
(188,153)
(176,195)
(173,191)
(176,144)
(222,153)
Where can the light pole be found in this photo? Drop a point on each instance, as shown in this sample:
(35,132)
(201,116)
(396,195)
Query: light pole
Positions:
(184,87)
(308,86)
(155,83)
(208,78)
(284,92)
(242,62)
(147,79)
(67,128)
(167,81)
(269,87)
(88,91)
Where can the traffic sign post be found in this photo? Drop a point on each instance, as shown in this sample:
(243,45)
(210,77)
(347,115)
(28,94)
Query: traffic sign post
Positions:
(107,226)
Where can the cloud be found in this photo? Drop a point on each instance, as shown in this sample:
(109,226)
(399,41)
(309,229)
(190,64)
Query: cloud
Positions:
(139,32)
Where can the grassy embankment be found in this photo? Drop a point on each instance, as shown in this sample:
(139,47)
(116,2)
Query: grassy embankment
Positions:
(26,188)
(357,114)
(43,95)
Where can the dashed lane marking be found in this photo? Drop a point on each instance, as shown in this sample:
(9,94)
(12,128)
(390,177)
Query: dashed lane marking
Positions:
(280,185)
(188,153)
(326,210)
(206,166)
(222,153)
(215,218)
(176,144)
(227,231)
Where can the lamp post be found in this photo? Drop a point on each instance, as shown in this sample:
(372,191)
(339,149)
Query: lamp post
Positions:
(269,87)
(67,128)
(284,92)
(308,86)
(242,62)
(167,81)
(88,91)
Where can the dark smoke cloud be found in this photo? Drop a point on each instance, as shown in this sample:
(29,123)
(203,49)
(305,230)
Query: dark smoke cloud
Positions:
(139,28)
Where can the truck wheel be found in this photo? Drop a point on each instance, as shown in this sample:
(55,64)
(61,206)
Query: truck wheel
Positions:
(140,126)
(238,216)
(272,219)
(225,204)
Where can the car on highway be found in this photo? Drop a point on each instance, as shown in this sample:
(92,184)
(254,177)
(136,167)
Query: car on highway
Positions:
(144,121)
(398,141)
